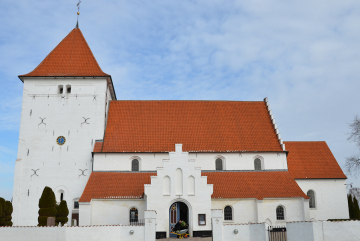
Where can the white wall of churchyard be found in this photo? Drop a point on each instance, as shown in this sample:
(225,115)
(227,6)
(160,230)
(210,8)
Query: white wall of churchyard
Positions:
(93,233)
(330,198)
(150,161)
(323,231)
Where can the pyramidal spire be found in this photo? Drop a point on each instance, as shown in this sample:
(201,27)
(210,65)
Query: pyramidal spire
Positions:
(71,57)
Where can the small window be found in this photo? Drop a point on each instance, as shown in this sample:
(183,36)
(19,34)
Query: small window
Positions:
(311,195)
(61,196)
(257,164)
(228,213)
(133,215)
(280,213)
(68,89)
(218,164)
(76,204)
(135,165)
(61,89)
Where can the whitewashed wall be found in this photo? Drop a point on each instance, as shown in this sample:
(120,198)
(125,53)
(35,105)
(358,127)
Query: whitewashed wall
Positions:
(58,166)
(246,232)
(244,210)
(93,233)
(113,212)
(323,231)
(293,208)
(330,196)
(150,161)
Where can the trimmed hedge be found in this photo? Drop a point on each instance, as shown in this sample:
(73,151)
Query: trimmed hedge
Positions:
(62,213)
(8,212)
(2,216)
(47,205)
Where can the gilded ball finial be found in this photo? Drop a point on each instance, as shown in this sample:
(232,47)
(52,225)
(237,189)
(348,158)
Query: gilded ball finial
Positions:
(78,13)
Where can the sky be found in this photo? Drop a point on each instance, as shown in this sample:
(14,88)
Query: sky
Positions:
(303,55)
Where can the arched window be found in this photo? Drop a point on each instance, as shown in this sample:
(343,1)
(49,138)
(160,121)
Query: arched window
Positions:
(227,213)
(135,165)
(311,195)
(257,164)
(280,213)
(61,196)
(219,164)
(133,215)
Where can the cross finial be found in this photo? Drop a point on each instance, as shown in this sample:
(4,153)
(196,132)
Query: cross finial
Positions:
(78,13)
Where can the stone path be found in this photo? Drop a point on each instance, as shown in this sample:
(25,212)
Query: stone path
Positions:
(185,239)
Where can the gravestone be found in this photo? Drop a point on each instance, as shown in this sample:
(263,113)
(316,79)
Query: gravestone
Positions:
(50,221)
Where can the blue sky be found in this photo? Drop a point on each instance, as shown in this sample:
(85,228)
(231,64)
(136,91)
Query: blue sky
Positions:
(303,55)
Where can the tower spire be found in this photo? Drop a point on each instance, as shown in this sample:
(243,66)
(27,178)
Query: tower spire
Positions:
(78,13)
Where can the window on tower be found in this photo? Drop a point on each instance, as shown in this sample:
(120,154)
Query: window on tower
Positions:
(68,89)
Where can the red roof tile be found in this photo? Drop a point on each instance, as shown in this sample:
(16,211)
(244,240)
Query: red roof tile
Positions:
(120,185)
(201,126)
(257,185)
(98,146)
(115,185)
(71,57)
(312,160)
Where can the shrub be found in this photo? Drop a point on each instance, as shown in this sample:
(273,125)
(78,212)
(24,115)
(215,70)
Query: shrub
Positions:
(8,212)
(62,213)
(2,211)
(47,205)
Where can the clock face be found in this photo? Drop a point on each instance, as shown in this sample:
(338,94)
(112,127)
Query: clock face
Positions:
(60,140)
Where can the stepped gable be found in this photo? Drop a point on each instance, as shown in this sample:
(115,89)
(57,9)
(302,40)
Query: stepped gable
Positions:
(312,160)
(201,126)
(255,184)
(116,185)
(72,57)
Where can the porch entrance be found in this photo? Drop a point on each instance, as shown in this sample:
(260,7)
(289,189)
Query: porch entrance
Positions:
(178,211)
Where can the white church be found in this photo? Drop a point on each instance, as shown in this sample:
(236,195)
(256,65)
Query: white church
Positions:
(112,160)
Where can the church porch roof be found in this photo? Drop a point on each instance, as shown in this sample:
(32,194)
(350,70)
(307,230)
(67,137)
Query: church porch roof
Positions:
(257,184)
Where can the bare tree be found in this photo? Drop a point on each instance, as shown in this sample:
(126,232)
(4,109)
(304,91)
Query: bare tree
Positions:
(352,166)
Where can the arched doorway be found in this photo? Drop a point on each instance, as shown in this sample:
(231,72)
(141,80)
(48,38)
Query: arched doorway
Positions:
(178,211)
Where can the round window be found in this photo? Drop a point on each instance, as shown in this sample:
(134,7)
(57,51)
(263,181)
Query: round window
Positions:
(60,140)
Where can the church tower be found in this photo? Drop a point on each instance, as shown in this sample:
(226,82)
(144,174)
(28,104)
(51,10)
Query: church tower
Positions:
(64,110)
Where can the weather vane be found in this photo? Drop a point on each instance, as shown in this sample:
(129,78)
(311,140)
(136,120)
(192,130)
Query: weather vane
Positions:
(78,13)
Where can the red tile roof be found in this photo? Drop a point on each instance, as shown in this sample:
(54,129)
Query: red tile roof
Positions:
(71,57)
(312,160)
(115,185)
(98,146)
(257,185)
(120,185)
(201,126)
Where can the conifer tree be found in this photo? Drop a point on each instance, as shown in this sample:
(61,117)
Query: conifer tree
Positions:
(351,206)
(8,212)
(356,208)
(47,205)
(62,213)
(2,211)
